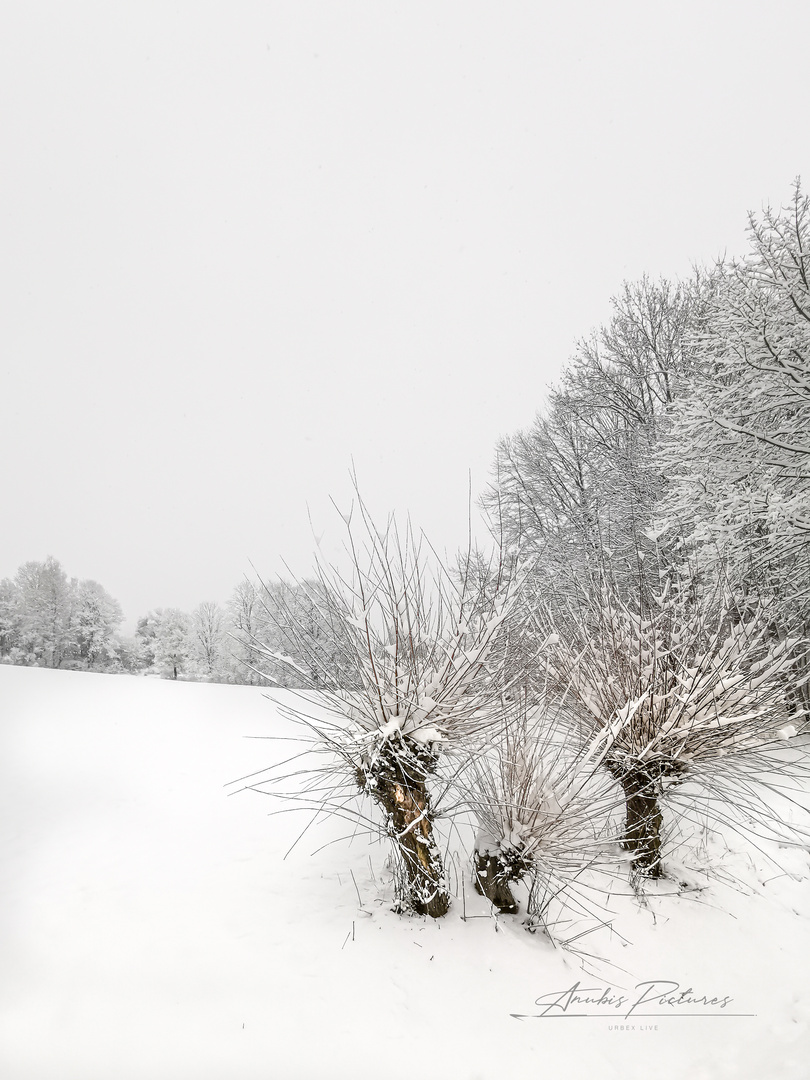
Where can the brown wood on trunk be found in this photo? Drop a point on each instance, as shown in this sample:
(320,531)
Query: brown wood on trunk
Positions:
(407,804)
(643,823)
(490,882)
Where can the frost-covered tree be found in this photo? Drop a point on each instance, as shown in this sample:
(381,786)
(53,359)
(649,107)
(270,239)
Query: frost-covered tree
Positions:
(10,618)
(165,641)
(129,654)
(739,445)
(46,599)
(209,652)
(49,620)
(145,633)
(544,808)
(288,620)
(97,618)
(578,486)
(686,687)
(411,688)
(247,622)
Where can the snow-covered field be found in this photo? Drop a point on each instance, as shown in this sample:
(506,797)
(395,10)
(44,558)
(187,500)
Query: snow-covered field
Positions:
(151,926)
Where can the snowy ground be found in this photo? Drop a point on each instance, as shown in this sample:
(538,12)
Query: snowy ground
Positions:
(151,927)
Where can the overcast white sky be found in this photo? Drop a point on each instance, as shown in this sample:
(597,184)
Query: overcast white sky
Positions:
(244,244)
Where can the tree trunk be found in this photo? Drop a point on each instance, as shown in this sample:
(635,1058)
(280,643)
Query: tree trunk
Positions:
(406,801)
(801,688)
(491,882)
(643,824)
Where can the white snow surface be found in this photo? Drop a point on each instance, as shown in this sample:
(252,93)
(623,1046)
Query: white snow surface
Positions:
(151,926)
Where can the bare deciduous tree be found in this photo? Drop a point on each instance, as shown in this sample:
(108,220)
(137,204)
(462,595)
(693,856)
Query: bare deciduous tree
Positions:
(411,687)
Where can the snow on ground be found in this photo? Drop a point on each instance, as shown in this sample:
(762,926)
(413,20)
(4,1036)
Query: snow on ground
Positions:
(151,926)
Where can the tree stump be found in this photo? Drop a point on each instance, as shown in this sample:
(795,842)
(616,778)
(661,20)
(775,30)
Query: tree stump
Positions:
(491,881)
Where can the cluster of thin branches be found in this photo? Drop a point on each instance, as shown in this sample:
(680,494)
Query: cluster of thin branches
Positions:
(694,677)
(412,688)
(407,643)
(685,688)
(546,814)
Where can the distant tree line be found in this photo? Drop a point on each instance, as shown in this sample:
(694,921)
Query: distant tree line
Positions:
(217,643)
(50,620)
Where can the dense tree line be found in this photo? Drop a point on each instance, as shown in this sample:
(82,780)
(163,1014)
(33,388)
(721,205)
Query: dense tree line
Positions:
(50,620)
(675,446)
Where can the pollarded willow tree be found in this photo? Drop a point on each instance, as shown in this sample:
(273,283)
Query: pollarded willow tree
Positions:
(403,684)
(685,688)
(545,809)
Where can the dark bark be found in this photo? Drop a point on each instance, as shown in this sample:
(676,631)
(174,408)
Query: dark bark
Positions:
(491,881)
(407,804)
(642,835)
(398,784)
